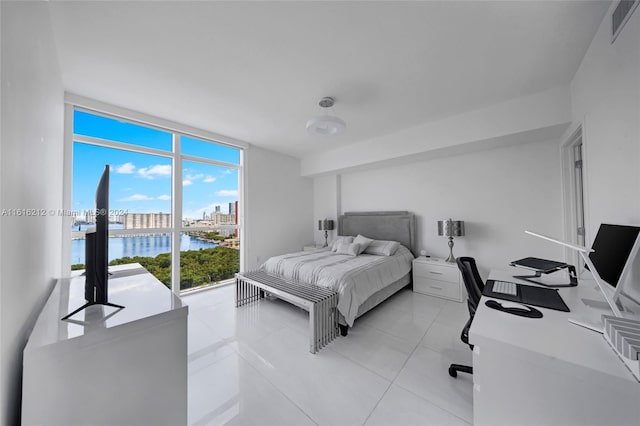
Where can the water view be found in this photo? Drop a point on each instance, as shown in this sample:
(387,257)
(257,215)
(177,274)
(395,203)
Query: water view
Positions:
(140,245)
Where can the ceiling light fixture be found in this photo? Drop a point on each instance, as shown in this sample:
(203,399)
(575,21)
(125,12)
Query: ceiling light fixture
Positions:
(326,125)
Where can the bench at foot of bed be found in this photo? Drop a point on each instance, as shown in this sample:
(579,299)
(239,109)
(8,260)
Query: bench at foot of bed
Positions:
(320,302)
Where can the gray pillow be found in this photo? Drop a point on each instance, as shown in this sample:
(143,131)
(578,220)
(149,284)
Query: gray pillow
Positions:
(363,242)
(339,238)
(382,248)
(352,249)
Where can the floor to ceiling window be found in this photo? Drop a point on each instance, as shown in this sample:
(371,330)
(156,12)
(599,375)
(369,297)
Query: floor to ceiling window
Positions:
(173,198)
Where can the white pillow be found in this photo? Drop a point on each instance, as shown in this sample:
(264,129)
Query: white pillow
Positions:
(382,248)
(363,242)
(352,249)
(334,243)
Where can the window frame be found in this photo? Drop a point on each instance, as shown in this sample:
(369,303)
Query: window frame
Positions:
(74,102)
(576,136)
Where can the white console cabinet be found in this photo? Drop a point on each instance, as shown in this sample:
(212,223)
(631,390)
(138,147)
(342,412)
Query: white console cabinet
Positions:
(127,368)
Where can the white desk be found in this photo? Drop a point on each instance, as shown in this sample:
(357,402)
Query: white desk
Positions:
(548,371)
(129,369)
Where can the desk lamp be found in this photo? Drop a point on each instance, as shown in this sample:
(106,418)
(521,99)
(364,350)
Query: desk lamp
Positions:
(451,228)
(584,252)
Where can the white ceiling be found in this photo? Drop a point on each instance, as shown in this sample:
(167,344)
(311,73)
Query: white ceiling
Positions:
(255,71)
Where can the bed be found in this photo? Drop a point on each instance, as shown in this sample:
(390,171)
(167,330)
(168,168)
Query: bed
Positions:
(364,281)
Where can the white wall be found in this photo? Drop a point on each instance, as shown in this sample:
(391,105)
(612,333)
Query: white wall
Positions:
(540,116)
(605,96)
(278,206)
(498,193)
(326,204)
(31,177)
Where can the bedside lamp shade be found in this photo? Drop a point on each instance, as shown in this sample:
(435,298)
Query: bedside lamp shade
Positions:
(451,228)
(325,225)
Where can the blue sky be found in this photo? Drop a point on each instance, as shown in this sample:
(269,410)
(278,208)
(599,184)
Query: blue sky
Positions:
(141,183)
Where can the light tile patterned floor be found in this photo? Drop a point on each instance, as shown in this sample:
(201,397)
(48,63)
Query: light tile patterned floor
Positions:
(252,366)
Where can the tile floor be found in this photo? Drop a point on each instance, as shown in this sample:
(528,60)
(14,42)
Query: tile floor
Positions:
(252,366)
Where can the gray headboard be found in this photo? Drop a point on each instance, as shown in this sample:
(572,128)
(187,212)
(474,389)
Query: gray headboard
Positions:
(396,226)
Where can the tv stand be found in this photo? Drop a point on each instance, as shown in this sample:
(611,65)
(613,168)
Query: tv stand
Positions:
(86,305)
(573,277)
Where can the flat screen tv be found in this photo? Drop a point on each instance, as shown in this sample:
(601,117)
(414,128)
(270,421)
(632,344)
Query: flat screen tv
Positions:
(96,286)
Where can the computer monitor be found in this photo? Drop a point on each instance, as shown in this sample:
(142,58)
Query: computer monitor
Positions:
(614,250)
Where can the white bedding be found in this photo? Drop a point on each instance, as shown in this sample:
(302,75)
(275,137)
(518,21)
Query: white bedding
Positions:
(354,278)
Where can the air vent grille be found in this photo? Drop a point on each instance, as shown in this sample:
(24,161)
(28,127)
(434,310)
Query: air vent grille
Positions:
(621,15)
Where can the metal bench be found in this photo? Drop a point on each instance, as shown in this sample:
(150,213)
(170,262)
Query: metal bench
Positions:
(320,302)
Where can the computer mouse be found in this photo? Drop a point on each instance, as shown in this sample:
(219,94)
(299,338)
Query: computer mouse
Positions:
(514,305)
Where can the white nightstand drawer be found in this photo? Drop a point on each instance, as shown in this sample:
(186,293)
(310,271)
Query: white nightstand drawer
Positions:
(437,271)
(445,289)
(436,277)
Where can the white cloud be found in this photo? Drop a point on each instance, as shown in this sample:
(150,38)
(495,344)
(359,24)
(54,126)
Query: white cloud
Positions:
(164,197)
(125,169)
(227,172)
(209,179)
(153,171)
(194,177)
(137,197)
(227,193)
(186,182)
(197,213)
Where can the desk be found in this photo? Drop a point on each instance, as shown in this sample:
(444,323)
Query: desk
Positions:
(548,371)
(128,369)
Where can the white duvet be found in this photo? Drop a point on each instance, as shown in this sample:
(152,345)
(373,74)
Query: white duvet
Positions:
(354,278)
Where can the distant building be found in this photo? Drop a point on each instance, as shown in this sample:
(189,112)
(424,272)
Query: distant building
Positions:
(235,220)
(226,230)
(217,209)
(232,208)
(223,219)
(147,220)
(90,216)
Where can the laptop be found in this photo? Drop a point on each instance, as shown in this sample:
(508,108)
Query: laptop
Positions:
(543,265)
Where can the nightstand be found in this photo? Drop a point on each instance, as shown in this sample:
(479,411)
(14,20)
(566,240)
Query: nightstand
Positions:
(436,277)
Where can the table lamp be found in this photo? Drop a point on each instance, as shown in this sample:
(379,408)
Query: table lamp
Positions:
(451,228)
(325,225)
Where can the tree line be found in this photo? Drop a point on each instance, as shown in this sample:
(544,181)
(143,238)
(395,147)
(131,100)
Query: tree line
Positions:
(197,267)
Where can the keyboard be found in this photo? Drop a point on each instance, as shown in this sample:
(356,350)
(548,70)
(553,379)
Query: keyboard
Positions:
(528,294)
(505,288)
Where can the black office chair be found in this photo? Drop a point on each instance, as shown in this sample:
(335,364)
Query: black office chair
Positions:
(474,285)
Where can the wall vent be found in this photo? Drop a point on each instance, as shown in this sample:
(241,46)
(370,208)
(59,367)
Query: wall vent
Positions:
(621,15)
